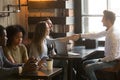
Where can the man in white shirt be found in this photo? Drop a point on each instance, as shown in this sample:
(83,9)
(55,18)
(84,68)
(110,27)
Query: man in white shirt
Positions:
(112,46)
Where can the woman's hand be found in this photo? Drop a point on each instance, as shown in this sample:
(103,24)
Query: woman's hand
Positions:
(30,65)
(42,64)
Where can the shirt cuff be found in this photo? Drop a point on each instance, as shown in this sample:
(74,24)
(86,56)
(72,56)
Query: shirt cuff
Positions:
(20,70)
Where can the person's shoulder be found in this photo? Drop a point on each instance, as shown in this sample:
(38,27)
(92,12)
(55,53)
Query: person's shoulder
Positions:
(1,50)
(6,49)
(0,47)
(22,46)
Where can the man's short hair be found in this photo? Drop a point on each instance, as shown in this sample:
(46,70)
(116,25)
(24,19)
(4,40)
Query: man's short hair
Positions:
(109,15)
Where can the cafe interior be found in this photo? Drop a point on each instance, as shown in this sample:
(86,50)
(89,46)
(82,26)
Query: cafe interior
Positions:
(69,17)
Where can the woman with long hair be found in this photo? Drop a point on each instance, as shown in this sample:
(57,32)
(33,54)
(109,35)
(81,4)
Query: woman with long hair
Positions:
(38,46)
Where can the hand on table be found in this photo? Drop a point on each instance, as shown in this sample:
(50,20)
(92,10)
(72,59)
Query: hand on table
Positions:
(30,65)
(42,63)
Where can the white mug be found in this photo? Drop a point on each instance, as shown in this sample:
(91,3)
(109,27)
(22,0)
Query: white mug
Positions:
(49,64)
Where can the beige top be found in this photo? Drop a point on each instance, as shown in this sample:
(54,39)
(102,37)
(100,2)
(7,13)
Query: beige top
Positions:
(18,54)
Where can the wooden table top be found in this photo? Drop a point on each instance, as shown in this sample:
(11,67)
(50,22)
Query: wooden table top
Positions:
(41,74)
(79,50)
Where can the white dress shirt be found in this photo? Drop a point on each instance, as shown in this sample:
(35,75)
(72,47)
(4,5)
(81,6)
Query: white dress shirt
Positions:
(112,43)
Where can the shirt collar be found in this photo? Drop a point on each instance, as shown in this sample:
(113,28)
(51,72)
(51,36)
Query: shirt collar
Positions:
(109,30)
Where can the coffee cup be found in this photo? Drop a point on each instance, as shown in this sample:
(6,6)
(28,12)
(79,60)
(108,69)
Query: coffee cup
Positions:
(49,64)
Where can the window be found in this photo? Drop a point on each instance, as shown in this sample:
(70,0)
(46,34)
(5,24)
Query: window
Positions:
(92,12)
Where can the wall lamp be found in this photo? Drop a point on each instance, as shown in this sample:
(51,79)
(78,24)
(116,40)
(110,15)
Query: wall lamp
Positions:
(16,9)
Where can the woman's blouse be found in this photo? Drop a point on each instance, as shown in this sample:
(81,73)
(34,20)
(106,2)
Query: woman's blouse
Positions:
(34,50)
(19,54)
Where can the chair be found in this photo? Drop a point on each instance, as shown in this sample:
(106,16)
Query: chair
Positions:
(111,73)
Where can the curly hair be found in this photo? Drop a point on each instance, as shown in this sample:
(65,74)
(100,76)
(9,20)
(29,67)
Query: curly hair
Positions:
(12,30)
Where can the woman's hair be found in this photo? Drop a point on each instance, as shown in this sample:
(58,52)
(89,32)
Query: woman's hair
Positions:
(39,34)
(109,15)
(12,30)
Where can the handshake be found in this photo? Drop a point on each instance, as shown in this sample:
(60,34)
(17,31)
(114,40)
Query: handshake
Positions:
(74,37)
